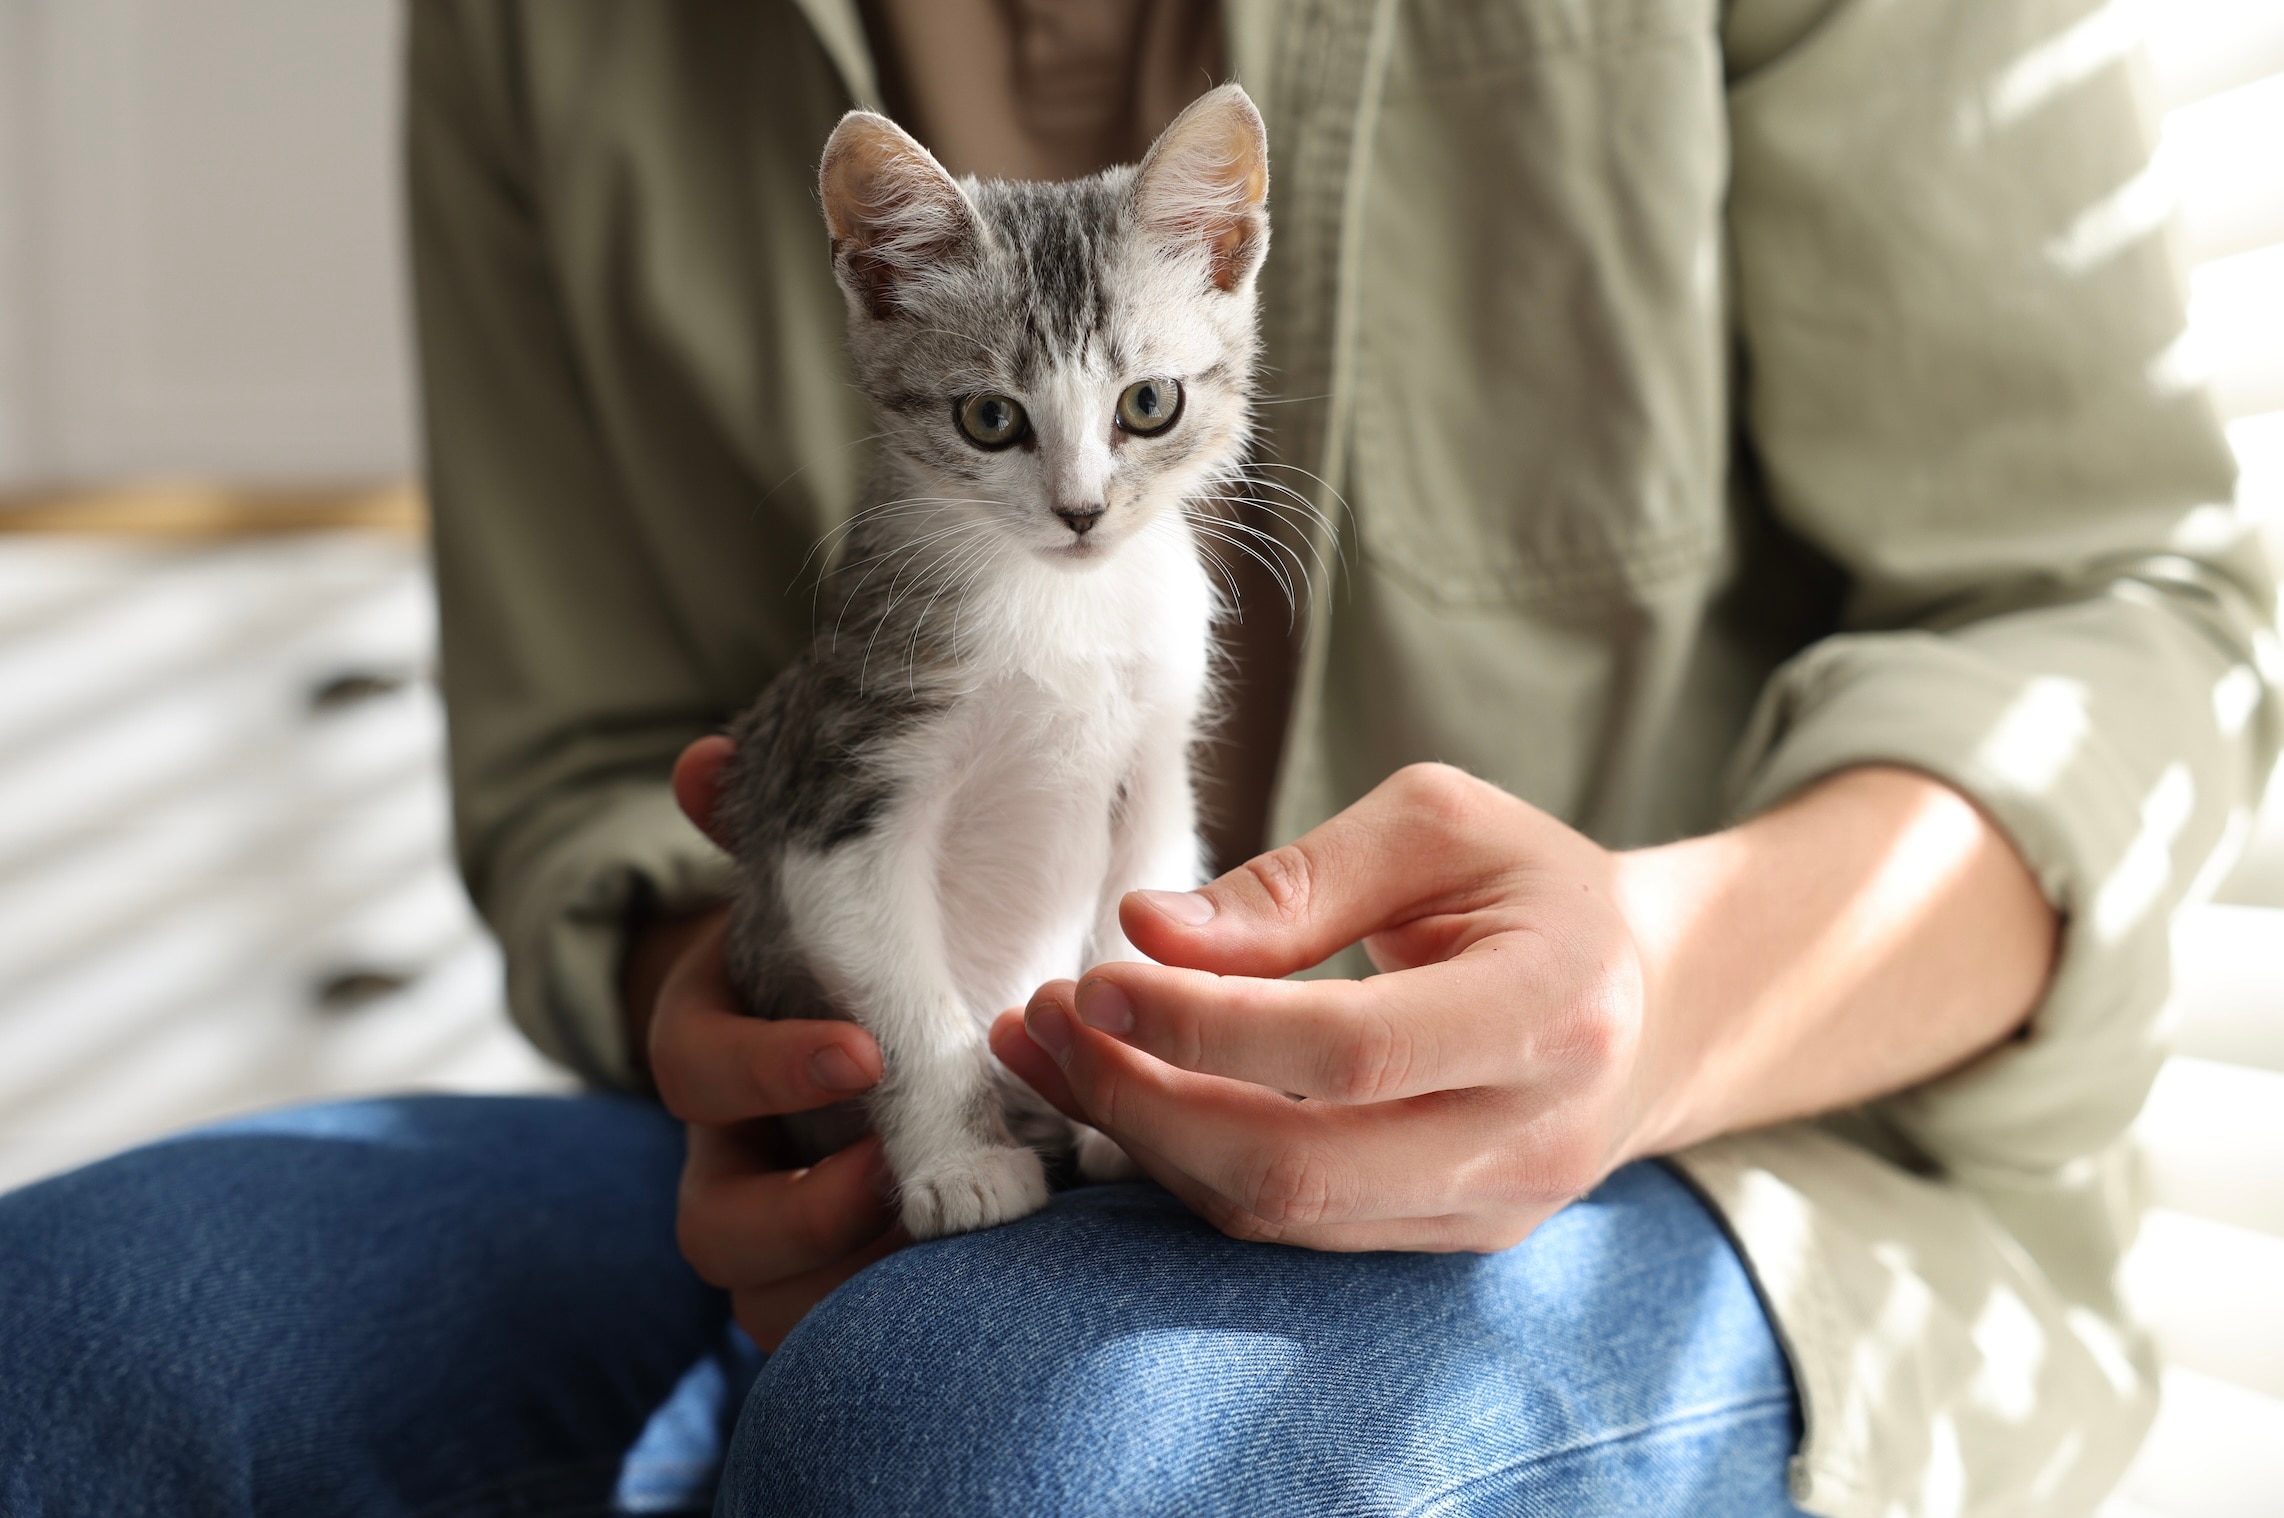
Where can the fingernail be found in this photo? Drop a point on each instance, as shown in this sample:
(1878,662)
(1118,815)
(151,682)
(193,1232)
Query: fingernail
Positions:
(835,1071)
(1186,907)
(1102,1005)
(1048,1028)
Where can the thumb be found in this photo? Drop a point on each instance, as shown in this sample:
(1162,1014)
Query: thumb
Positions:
(698,784)
(1399,852)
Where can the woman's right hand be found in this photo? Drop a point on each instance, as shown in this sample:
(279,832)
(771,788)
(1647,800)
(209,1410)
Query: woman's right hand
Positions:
(777,1238)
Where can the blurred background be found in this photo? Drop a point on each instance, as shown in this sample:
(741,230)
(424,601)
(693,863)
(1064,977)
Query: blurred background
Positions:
(224,878)
(224,871)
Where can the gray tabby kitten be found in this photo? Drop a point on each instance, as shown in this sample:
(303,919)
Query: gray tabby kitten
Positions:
(939,805)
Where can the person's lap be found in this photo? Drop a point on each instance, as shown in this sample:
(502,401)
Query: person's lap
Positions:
(474,1305)
(1117,1355)
(433,1305)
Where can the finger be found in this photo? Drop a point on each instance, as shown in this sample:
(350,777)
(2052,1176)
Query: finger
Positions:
(769,1313)
(698,782)
(1393,1036)
(1407,848)
(1289,1163)
(724,1067)
(1011,1043)
(1445,1233)
(714,1064)
(741,1226)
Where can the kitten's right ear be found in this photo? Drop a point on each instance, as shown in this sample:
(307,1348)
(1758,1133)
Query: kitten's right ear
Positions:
(891,208)
(1204,185)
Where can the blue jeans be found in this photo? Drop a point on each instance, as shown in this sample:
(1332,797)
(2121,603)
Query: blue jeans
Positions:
(473,1306)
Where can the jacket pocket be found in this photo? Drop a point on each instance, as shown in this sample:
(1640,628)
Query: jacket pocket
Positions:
(1540,400)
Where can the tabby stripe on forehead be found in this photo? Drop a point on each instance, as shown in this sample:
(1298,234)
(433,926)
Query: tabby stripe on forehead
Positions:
(1057,238)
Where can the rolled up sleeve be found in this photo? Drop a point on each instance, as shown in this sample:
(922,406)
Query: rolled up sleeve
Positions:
(567,677)
(1964,384)
(574,876)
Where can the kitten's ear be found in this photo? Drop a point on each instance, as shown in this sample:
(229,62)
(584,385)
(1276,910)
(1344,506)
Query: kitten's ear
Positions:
(891,208)
(1205,184)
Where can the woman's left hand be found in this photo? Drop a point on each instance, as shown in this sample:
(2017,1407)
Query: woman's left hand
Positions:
(1488,1076)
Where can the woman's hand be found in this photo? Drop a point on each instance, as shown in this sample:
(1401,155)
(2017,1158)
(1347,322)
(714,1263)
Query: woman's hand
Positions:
(777,1238)
(1548,1009)
(1451,1102)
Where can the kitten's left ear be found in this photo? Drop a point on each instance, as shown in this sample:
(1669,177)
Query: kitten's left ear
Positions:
(1205,184)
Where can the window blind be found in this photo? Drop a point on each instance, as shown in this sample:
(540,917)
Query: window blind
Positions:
(2218,68)
(2203,1273)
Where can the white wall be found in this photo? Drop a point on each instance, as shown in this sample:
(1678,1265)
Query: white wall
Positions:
(15,48)
(200,268)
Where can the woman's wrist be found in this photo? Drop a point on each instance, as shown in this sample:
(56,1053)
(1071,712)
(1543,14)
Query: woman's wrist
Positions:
(1873,932)
(1666,894)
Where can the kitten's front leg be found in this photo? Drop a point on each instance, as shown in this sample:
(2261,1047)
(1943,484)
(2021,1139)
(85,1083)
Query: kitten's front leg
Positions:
(1153,846)
(867,916)
(1154,834)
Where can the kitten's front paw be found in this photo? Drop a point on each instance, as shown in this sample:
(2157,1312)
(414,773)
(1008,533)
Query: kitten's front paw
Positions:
(1100,1158)
(975,1190)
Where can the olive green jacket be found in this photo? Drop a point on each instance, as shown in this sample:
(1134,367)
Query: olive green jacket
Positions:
(1704,398)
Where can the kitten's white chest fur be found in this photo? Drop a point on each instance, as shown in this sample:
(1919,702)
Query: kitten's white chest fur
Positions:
(1084,686)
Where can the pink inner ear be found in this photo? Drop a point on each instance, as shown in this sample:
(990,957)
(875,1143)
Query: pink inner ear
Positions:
(863,179)
(1228,226)
(1231,248)
(890,207)
(1205,182)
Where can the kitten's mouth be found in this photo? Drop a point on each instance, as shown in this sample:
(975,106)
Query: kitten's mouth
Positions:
(1077,551)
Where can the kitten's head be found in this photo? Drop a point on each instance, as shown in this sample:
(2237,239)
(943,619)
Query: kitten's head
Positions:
(1067,362)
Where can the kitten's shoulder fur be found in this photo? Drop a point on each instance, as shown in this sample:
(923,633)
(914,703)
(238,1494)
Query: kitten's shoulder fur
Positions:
(938,806)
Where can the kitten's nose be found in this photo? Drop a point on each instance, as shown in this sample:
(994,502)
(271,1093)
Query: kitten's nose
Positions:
(1079,519)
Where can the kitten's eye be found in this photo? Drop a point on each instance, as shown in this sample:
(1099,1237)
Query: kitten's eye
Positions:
(992,421)
(1150,405)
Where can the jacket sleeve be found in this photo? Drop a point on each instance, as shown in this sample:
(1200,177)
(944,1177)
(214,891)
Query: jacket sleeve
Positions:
(565,676)
(1964,381)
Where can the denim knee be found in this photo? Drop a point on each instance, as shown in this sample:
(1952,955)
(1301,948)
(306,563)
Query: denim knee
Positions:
(930,1382)
(125,1392)
(1113,1354)
(371,1307)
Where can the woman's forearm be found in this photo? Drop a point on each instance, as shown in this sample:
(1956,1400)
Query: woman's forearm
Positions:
(1874,932)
